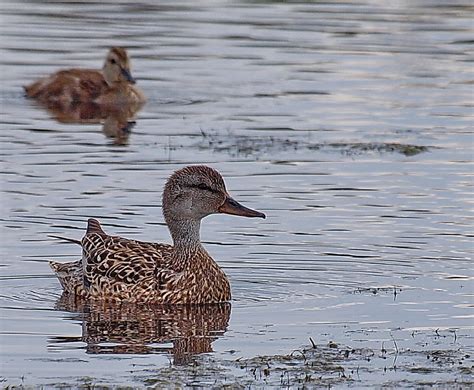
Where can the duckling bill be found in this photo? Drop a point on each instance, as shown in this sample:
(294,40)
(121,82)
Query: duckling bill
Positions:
(113,268)
(111,85)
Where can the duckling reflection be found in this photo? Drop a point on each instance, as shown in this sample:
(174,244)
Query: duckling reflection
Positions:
(118,128)
(109,328)
(117,121)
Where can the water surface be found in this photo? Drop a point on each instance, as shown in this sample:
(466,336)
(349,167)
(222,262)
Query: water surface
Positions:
(348,124)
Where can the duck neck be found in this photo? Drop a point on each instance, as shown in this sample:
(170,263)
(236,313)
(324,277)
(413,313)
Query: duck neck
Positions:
(119,86)
(185,234)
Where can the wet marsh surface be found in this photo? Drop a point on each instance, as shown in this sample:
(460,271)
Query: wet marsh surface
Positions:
(348,124)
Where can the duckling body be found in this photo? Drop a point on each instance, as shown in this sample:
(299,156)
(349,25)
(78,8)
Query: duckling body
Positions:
(111,85)
(119,269)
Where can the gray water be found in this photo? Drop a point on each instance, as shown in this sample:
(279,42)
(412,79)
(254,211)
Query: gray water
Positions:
(347,123)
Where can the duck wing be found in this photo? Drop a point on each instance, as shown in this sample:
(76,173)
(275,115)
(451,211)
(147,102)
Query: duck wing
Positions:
(71,85)
(120,268)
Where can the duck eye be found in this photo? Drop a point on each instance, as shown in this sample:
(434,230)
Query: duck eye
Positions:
(112,61)
(205,187)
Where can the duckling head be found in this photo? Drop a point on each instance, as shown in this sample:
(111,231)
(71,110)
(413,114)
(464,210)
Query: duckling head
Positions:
(195,192)
(116,67)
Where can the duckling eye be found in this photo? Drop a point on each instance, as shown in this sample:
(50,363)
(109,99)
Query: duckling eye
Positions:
(112,61)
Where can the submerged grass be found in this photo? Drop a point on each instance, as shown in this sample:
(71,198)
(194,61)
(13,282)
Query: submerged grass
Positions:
(321,367)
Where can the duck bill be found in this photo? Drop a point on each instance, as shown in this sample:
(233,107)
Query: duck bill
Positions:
(233,207)
(128,76)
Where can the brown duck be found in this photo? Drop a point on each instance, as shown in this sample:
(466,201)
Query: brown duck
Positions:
(111,85)
(118,269)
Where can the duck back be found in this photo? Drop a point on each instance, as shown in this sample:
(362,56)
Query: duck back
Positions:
(72,85)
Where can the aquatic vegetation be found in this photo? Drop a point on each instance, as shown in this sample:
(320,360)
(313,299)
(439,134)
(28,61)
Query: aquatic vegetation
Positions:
(319,366)
(241,145)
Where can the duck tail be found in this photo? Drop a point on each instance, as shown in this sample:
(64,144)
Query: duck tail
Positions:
(33,90)
(70,275)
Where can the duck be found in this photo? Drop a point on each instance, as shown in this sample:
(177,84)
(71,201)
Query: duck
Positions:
(113,84)
(117,269)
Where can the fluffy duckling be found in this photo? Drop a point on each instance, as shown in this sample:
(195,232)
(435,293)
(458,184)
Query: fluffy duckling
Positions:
(119,269)
(112,85)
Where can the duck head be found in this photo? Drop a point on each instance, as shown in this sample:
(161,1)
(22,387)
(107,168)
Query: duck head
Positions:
(193,193)
(116,67)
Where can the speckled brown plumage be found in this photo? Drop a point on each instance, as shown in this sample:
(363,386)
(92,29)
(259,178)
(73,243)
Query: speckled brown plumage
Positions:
(111,85)
(118,269)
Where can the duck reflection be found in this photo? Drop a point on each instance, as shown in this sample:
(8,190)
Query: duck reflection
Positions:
(117,120)
(182,330)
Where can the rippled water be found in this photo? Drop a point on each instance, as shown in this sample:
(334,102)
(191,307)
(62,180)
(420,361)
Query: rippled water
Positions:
(348,124)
